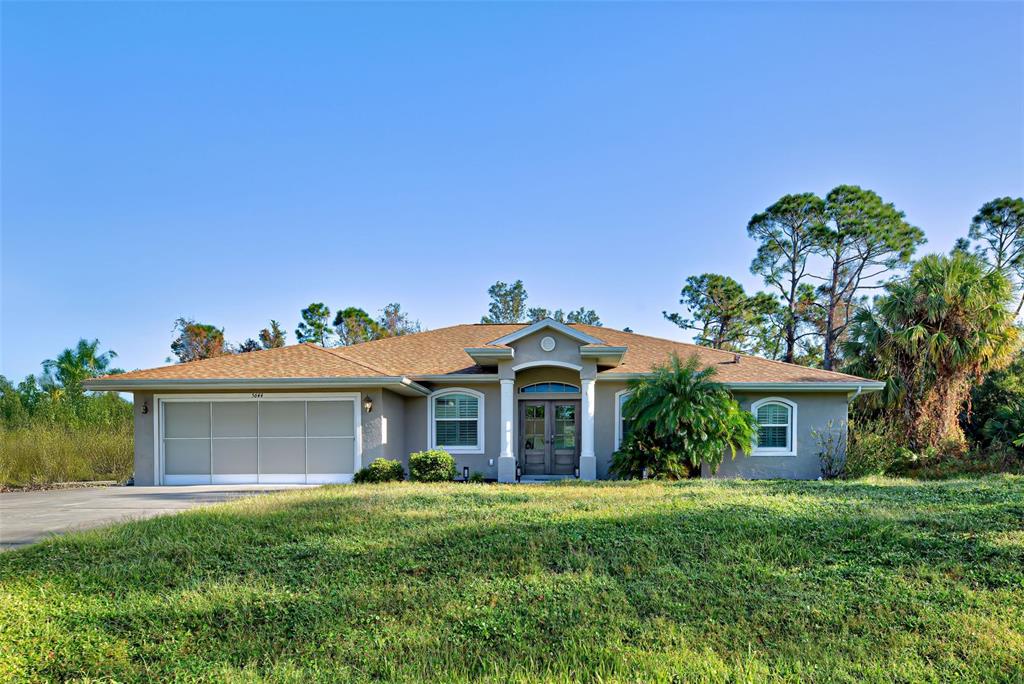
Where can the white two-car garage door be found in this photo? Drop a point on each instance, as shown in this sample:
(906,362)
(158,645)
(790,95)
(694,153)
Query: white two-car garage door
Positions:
(234,439)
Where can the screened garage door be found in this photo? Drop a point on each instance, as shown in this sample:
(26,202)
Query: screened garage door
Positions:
(266,440)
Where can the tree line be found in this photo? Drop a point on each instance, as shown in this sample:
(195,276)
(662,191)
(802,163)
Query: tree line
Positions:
(845,292)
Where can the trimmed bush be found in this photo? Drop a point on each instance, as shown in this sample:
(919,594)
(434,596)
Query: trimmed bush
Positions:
(381,470)
(435,465)
(476,477)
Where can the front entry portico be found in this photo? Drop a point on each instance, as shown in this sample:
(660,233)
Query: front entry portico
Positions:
(550,435)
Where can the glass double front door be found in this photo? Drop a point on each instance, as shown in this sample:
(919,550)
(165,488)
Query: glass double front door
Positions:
(549,437)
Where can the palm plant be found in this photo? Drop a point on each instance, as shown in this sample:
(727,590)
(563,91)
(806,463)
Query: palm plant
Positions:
(680,418)
(931,337)
(74,366)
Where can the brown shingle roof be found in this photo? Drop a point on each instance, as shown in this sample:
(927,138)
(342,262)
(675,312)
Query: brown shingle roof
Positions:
(441,352)
(295,361)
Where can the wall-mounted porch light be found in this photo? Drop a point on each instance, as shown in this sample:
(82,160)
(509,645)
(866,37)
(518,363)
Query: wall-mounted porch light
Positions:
(368,403)
(519,473)
(465,473)
(577,472)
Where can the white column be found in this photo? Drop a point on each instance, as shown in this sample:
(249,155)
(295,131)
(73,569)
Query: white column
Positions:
(588,461)
(507,458)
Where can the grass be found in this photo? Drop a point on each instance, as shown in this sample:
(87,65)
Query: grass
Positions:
(876,581)
(45,454)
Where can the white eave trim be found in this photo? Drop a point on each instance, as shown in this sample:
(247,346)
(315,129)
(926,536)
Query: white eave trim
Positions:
(602,351)
(397,383)
(490,353)
(541,325)
(458,377)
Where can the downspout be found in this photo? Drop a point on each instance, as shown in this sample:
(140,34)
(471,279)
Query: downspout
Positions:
(860,388)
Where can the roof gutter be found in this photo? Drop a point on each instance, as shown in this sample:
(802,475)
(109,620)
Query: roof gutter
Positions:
(864,386)
(398,383)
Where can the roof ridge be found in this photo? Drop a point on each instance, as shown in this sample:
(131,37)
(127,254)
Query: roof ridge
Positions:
(333,352)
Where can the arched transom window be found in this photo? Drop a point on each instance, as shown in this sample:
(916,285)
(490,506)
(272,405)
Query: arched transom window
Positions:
(539,387)
(776,426)
(456,420)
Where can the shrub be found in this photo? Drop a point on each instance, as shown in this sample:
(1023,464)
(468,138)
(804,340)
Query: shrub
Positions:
(381,470)
(43,454)
(681,418)
(831,449)
(476,477)
(434,465)
(875,448)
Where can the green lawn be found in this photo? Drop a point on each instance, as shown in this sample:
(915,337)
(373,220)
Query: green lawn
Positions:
(885,580)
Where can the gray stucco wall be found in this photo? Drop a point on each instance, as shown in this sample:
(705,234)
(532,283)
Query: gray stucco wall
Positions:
(604,423)
(814,410)
(486,462)
(144,475)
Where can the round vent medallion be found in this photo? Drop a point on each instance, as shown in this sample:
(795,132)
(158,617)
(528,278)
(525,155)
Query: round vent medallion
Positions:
(548,343)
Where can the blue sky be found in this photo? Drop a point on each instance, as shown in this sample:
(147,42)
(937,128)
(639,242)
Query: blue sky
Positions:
(234,162)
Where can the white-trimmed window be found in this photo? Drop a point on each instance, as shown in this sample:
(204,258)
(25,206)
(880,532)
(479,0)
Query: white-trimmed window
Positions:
(776,426)
(621,424)
(457,420)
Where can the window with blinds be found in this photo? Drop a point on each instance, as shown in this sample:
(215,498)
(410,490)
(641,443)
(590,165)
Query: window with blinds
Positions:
(456,420)
(774,426)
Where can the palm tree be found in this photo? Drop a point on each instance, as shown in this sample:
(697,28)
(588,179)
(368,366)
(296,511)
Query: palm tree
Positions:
(931,337)
(73,366)
(681,418)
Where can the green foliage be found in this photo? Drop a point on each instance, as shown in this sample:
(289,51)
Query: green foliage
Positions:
(394,322)
(273,337)
(722,314)
(74,366)
(875,448)
(44,452)
(1001,388)
(508,303)
(250,345)
(353,326)
(315,325)
(862,239)
(599,582)
(433,465)
(1006,426)
(52,430)
(380,470)
(997,232)
(580,315)
(476,477)
(197,341)
(681,418)
(785,234)
(930,337)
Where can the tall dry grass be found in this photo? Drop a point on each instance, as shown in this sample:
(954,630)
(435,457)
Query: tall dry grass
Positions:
(43,453)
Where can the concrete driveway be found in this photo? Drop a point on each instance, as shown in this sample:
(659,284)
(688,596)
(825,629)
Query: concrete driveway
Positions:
(27,517)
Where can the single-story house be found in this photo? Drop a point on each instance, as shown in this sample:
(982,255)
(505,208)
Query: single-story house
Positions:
(539,400)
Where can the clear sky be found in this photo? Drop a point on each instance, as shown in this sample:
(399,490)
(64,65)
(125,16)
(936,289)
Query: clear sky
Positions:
(234,162)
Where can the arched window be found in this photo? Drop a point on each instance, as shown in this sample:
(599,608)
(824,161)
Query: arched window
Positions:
(621,424)
(457,420)
(776,426)
(562,387)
